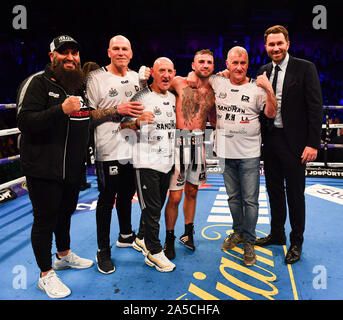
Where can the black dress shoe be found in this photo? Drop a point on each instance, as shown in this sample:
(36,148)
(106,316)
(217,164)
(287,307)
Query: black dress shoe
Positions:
(266,241)
(293,254)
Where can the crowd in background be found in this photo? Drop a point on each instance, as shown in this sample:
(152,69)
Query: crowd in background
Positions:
(19,59)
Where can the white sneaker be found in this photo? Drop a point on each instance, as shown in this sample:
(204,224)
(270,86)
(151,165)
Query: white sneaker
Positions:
(52,285)
(139,245)
(159,261)
(71,260)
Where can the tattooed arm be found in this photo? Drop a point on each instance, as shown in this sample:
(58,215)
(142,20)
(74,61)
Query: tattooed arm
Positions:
(130,108)
(100,116)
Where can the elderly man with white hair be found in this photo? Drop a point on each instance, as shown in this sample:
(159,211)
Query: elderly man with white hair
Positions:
(239,101)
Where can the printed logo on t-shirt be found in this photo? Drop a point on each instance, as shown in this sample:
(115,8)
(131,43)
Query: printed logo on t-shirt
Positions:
(112,92)
(157,111)
(245,98)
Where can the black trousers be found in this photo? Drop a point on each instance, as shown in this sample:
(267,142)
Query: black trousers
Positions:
(152,188)
(285,179)
(53,204)
(116,184)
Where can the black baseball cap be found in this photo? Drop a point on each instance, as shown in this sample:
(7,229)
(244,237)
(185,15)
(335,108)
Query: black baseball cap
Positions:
(60,41)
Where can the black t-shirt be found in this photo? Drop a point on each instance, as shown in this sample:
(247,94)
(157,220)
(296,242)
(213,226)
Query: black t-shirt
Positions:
(76,145)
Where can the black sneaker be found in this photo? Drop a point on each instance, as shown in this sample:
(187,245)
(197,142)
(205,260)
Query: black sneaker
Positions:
(126,242)
(103,259)
(187,238)
(169,248)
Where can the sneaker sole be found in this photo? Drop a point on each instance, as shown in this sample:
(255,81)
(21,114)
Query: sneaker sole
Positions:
(123,245)
(104,272)
(151,264)
(69,267)
(54,296)
(187,246)
(249,263)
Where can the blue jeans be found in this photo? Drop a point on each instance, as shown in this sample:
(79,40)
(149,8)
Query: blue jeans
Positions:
(242,182)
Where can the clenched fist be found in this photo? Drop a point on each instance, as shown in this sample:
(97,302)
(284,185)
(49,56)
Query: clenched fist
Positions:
(144,73)
(146,117)
(71,105)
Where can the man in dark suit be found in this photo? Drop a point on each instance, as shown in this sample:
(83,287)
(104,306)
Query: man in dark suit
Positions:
(290,140)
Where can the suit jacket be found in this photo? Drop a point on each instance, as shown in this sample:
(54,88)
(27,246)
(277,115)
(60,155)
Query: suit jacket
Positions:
(301,106)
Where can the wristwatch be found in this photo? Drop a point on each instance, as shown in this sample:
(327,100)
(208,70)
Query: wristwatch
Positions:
(116,110)
(116,117)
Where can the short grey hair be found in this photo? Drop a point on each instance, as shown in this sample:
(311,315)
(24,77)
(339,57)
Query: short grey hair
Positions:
(239,50)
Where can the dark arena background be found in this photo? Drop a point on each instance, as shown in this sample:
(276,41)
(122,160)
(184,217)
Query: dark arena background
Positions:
(177,29)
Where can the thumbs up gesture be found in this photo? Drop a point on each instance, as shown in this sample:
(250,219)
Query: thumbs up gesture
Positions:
(263,82)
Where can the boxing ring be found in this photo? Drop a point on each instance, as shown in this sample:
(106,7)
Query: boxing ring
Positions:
(322,169)
(208,273)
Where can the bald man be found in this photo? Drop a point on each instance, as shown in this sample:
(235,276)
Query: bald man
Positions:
(153,159)
(109,90)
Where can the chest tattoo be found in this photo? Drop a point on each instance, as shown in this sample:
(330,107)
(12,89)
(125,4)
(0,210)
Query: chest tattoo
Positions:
(196,104)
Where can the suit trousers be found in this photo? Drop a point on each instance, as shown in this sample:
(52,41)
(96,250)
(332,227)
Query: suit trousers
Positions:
(285,182)
(53,203)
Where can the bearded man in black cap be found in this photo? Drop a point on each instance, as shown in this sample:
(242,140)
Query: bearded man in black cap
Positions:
(53,118)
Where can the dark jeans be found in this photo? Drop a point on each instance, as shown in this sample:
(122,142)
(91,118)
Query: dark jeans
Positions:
(152,188)
(116,184)
(53,204)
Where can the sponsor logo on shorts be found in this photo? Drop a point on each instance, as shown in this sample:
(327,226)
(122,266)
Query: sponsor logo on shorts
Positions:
(202,176)
(113,170)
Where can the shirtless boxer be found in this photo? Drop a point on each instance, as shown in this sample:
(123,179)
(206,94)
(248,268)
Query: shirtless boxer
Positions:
(193,107)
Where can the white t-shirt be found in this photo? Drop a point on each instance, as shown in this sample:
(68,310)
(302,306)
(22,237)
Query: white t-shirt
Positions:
(238,130)
(155,143)
(105,90)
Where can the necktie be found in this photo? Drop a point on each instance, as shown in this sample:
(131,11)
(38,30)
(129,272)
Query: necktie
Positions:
(276,70)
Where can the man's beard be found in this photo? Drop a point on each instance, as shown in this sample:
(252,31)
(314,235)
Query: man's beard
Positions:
(71,80)
(203,76)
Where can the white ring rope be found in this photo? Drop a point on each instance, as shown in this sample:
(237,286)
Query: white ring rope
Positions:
(210,162)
